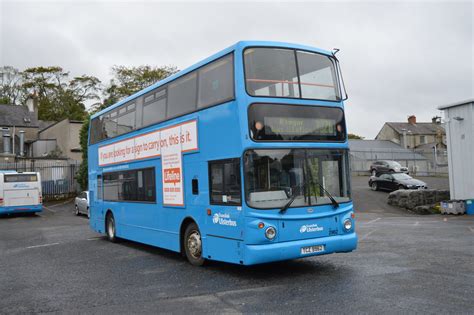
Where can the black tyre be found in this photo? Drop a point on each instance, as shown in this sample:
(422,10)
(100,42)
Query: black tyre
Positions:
(401,187)
(374,186)
(391,171)
(193,245)
(110,230)
(76,210)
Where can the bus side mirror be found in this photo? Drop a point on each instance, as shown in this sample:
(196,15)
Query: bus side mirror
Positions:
(195,186)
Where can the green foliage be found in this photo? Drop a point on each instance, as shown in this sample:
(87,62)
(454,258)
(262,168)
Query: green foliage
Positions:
(354,136)
(57,95)
(10,85)
(83,174)
(128,80)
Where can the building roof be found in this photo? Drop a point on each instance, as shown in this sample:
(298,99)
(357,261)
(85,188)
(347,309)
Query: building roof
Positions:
(381,150)
(54,123)
(468,101)
(17,115)
(43,124)
(421,128)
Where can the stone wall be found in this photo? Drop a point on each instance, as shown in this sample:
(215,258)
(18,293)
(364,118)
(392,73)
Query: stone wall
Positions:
(420,201)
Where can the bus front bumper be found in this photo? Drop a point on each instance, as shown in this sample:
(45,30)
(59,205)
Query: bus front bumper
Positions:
(21,209)
(258,254)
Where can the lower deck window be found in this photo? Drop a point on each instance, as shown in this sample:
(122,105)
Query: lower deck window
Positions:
(130,185)
(225,184)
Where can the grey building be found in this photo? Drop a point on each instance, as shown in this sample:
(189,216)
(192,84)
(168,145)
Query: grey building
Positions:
(413,134)
(459,118)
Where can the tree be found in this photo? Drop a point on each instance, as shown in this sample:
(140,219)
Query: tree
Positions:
(354,136)
(11,91)
(83,174)
(59,96)
(128,80)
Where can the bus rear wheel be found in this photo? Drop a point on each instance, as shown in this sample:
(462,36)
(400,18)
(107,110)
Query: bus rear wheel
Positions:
(110,227)
(193,245)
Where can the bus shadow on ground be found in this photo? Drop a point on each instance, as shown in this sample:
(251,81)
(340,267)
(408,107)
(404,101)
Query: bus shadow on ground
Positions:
(313,266)
(19,215)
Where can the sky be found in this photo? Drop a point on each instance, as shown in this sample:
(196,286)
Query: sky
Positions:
(398,58)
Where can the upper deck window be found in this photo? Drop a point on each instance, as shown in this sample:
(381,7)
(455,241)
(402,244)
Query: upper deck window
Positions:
(209,85)
(276,72)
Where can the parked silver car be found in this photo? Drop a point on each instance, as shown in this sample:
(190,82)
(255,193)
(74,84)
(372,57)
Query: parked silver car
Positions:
(81,204)
(387,167)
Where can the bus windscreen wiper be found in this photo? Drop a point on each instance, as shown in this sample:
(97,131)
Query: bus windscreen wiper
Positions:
(333,201)
(293,196)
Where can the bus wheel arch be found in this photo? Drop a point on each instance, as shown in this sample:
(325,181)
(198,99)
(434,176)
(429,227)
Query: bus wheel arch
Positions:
(190,233)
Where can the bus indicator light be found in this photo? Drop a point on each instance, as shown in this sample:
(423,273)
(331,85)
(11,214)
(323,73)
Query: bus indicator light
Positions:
(261,225)
(209,212)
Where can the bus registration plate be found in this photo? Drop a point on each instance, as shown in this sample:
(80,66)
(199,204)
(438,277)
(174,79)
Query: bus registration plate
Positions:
(312,249)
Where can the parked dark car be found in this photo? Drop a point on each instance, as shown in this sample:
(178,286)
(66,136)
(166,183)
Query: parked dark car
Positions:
(395,181)
(387,166)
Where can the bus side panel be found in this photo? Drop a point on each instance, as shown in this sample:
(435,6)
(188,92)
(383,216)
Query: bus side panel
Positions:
(223,249)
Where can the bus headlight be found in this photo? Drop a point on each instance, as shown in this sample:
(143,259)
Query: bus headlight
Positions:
(348,224)
(270,233)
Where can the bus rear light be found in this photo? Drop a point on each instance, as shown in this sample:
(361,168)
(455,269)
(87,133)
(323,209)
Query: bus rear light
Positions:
(353,215)
(261,225)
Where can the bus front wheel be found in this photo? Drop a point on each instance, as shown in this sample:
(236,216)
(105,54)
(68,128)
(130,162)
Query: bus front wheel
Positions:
(193,245)
(110,227)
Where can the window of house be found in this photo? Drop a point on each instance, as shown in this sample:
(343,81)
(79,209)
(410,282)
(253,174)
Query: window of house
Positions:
(422,140)
(224,182)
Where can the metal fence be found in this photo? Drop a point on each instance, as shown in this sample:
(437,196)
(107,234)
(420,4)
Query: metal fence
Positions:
(419,162)
(58,176)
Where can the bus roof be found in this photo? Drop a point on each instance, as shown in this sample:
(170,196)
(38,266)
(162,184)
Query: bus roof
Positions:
(239,45)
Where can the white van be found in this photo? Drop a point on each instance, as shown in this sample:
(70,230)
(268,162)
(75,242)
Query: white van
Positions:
(20,192)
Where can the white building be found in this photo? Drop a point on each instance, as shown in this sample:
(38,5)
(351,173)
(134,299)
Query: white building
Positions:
(459,118)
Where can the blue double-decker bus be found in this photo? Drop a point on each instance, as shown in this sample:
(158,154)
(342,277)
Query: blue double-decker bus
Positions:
(241,158)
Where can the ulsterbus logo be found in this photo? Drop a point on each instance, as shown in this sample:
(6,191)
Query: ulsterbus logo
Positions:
(311,228)
(223,219)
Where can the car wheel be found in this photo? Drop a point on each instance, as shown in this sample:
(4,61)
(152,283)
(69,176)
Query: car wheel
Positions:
(193,245)
(374,186)
(391,171)
(401,187)
(110,227)
(76,211)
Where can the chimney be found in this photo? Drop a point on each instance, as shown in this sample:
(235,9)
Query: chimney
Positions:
(412,119)
(6,141)
(436,120)
(22,143)
(32,104)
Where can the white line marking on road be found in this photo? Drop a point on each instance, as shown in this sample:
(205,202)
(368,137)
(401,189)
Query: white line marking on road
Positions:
(366,235)
(49,209)
(94,239)
(372,221)
(60,204)
(470,228)
(42,245)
